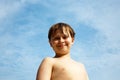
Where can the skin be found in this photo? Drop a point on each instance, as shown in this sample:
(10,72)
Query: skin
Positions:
(61,67)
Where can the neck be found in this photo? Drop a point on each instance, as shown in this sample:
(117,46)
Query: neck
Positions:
(62,56)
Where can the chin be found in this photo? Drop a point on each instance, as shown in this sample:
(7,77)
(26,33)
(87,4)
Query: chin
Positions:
(63,52)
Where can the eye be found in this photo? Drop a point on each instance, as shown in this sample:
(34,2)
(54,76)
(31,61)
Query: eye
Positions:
(65,37)
(56,38)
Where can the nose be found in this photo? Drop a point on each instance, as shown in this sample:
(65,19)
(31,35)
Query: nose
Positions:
(61,39)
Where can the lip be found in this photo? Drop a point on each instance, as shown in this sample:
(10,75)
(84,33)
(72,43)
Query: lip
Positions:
(61,45)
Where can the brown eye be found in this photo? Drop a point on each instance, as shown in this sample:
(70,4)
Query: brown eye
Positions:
(56,38)
(64,37)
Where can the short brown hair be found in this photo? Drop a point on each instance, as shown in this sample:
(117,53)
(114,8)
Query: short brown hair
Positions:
(61,27)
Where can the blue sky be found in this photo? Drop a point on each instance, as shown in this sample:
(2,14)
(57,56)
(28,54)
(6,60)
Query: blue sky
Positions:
(24,26)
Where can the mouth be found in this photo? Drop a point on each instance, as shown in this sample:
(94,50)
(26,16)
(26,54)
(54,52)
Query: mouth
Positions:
(61,46)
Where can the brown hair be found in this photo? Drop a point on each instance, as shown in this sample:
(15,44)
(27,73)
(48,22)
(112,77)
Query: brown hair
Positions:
(62,27)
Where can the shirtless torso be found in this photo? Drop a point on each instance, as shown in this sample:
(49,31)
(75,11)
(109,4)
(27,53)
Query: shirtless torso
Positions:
(62,69)
(67,70)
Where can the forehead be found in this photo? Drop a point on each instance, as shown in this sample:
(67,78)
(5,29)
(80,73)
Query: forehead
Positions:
(60,33)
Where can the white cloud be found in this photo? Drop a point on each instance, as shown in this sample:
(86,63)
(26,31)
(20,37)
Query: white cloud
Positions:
(107,67)
(8,8)
(101,15)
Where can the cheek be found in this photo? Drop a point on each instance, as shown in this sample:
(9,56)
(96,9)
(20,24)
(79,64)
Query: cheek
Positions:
(70,42)
(53,43)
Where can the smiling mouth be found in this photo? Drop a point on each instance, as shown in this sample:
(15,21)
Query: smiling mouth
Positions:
(60,46)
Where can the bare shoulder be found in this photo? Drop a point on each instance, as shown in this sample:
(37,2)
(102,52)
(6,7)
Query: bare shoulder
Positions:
(47,60)
(45,69)
(78,63)
(81,66)
(82,69)
(85,74)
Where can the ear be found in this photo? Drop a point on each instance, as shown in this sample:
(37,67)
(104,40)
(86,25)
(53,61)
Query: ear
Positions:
(72,40)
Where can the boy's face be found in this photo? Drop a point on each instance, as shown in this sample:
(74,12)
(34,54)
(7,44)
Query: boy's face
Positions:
(61,42)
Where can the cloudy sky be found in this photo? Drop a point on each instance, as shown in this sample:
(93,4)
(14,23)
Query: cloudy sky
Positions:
(24,26)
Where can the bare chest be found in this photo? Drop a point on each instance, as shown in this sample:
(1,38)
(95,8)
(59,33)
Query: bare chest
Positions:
(65,71)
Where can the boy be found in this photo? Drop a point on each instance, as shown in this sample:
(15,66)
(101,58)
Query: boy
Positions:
(61,66)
